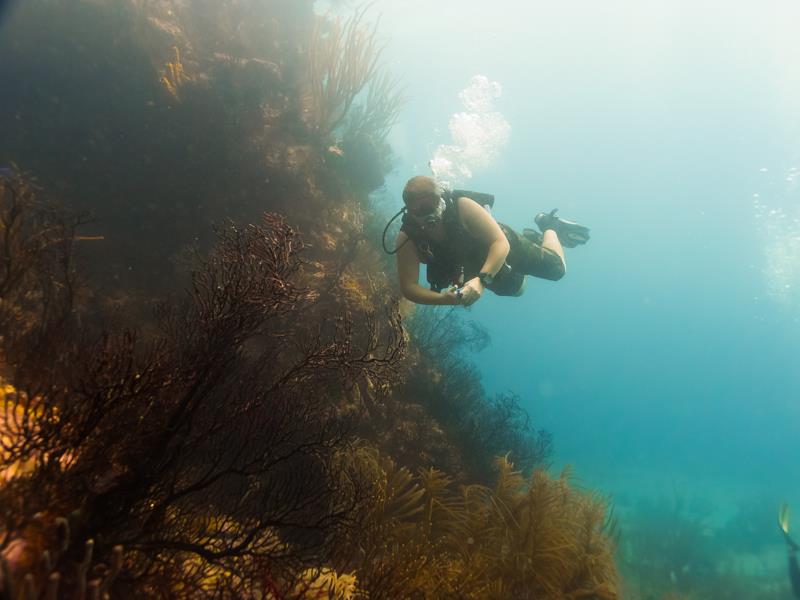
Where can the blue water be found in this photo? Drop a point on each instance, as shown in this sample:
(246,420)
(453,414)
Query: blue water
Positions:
(665,364)
(665,358)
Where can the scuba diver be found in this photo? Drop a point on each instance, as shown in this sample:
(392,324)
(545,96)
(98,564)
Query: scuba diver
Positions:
(792,548)
(466,251)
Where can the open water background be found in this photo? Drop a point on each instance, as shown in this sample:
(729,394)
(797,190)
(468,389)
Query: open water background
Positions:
(666,362)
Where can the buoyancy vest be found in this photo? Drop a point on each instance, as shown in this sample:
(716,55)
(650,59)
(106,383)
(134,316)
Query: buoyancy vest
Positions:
(458,257)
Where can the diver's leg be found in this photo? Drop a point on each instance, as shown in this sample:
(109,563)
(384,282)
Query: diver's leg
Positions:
(544,260)
(551,242)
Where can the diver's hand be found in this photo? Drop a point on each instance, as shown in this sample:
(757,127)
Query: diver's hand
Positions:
(451,297)
(471,291)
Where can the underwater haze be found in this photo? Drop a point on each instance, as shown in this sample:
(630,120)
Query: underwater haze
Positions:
(237,151)
(666,361)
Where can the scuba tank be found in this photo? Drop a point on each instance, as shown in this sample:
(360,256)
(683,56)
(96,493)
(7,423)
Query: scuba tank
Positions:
(482,198)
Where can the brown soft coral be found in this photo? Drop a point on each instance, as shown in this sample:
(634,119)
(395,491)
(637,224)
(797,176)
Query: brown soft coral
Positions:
(539,538)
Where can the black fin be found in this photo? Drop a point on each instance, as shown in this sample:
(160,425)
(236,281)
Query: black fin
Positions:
(569,233)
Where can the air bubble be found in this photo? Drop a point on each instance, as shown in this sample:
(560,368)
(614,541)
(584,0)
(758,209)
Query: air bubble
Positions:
(478,135)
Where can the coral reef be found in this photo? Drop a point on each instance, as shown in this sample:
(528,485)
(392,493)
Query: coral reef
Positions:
(450,388)
(38,284)
(108,96)
(271,429)
(538,538)
(189,444)
(343,58)
(670,548)
(27,571)
(174,75)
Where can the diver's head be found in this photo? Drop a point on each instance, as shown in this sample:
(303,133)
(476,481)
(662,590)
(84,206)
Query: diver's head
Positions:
(423,200)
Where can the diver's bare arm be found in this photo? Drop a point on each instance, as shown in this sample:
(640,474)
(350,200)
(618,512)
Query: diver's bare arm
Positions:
(408,276)
(482,225)
(498,251)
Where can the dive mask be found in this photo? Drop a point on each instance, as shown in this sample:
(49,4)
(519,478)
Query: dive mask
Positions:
(429,216)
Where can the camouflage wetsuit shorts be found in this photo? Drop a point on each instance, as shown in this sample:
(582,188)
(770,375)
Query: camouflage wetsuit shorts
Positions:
(526,257)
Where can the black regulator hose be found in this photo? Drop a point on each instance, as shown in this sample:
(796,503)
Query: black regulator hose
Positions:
(385,229)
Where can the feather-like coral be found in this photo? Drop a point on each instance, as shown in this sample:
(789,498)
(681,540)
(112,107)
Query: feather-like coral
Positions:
(522,538)
(174,76)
